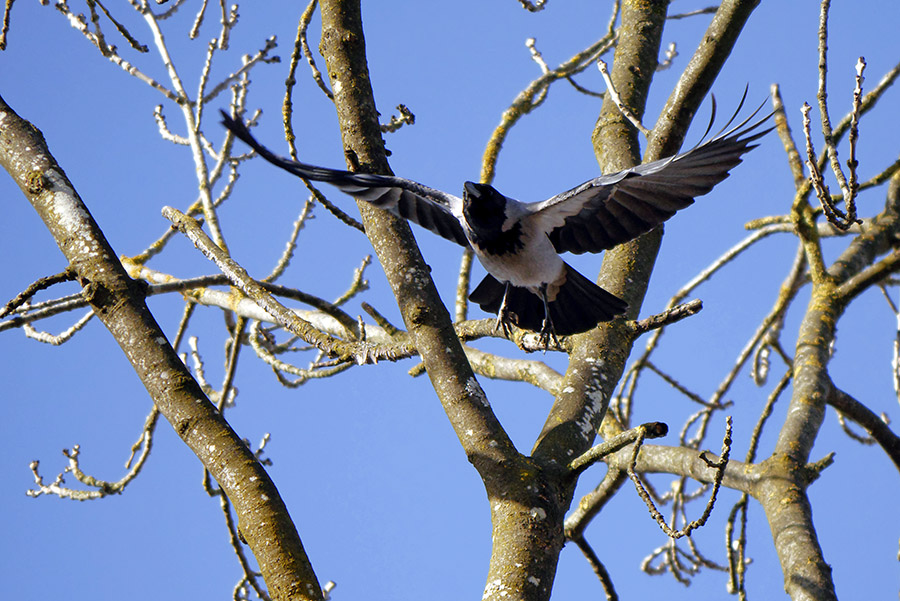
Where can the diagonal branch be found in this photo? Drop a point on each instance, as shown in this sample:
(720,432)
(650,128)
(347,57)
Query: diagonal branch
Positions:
(871,423)
(119,304)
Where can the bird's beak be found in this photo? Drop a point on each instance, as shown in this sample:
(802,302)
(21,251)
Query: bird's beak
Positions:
(472,190)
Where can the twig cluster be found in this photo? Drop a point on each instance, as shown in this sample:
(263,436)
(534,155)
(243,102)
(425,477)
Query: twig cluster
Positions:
(757,353)
(334,340)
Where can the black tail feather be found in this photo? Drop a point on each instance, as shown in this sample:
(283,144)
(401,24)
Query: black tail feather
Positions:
(579,305)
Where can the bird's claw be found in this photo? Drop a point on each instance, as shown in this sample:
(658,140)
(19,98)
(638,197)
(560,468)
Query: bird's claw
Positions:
(547,333)
(502,324)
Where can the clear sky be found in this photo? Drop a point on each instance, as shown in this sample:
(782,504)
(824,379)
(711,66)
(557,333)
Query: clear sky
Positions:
(383,497)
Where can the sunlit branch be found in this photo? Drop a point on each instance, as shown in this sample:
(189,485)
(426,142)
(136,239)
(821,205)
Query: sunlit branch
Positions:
(100,488)
(462,285)
(848,188)
(62,337)
(719,473)
(406,118)
(240,278)
(795,162)
(599,452)
(291,244)
(78,23)
(623,108)
(531,97)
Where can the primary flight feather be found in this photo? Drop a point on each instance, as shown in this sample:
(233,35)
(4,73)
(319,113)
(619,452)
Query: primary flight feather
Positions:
(528,283)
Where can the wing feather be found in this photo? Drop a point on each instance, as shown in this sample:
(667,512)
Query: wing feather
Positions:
(613,209)
(432,209)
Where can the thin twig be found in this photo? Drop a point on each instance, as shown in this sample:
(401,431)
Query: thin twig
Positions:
(614,95)
(598,567)
(598,452)
(101,488)
(42,284)
(719,467)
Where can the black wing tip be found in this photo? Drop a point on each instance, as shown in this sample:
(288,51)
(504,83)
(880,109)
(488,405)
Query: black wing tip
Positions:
(230,123)
(742,129)
(730,132)
(238,128)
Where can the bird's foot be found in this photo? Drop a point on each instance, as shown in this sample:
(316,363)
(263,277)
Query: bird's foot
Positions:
(547,333)
(502,323)
(547,329)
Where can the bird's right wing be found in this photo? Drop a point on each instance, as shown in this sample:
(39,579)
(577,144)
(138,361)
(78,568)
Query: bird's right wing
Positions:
(432,209)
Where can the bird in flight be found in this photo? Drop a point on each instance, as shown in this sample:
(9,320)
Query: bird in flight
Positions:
(528,284)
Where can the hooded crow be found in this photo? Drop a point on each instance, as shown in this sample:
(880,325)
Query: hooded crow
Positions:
(528,283)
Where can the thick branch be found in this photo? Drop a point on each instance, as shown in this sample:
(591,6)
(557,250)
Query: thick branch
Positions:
(524,519)
(682,461)
(265,523)
(589,381)
(427,320)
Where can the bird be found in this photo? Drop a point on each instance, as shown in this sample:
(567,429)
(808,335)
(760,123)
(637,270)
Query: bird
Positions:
(528,284)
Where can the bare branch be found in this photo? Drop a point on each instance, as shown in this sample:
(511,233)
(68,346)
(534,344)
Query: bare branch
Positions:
(848,189)
(532,96)
(462,285)
(406,118)
(362,353)
(599,452)
(598,567)
(101,488)
(291,245)
(667,317)
(787,140)
(62,337)
(261,56)
(868,277)
(874,425)
(42,284)
(4,28)
(78,23)
(611,90)
(719,467)
(709,10)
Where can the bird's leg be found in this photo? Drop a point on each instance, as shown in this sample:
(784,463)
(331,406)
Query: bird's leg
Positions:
(502,323)
(547,329)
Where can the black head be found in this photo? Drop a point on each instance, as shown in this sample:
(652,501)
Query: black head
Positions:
(473,190)
(485,212)
(483,206)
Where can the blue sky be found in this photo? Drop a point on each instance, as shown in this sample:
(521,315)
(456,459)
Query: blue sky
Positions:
(382,495)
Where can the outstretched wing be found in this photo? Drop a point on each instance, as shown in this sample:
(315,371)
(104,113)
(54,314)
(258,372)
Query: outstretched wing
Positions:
(432,209)
(616,208)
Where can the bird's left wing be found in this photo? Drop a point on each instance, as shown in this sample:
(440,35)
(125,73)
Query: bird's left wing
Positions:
(432,209)
(616,208)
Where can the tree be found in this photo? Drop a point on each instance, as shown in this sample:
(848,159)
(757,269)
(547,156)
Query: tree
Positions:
(592,381)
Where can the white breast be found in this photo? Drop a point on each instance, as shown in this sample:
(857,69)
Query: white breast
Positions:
(534,264)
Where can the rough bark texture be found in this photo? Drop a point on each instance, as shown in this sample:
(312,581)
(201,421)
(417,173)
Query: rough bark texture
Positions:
(427,319)
(597,362)
(525,509)
(119,303)
(528,495)
(786,475)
